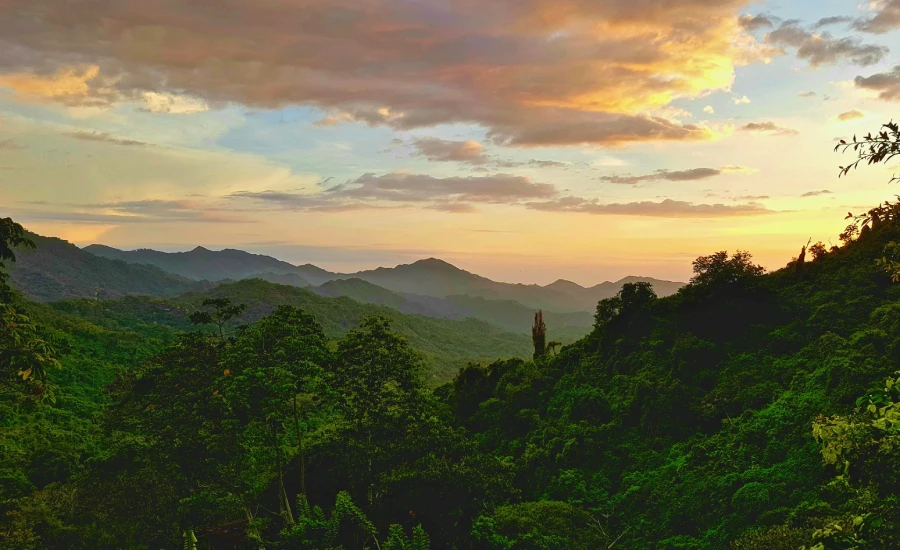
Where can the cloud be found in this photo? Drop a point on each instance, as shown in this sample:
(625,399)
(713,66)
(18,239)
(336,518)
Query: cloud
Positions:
(454,207)
(464,194)
(822,49)
(667,208)
(692,174)
(533,163)
(547,164)
(768,127)
(74,86)
(753,23)
(834,20)
(138,211)
(500,188)
(816,193)
(806,94)
(531,73)
(886,18)
(169,211)
(436,149)
(105,138)
(851,115)
(737,169)
(156,102)
(886,84)
(741,100)
(752,198)
(327,121)
(445,194)
(709,110)
(10,145)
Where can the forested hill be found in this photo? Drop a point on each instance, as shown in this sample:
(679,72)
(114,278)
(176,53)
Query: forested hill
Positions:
(508,315)
(445,344)
(747,411)
(57,270)
(689,422)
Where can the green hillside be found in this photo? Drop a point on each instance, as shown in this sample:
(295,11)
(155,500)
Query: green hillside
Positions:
(514,317)
(361,291)
(508,315)
(447,345)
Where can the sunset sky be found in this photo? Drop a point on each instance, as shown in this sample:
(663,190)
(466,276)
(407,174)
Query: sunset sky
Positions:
(525,140)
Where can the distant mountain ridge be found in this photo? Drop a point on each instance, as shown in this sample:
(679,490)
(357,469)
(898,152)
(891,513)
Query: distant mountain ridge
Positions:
(430,277)
(508,315)
(204,264)
(434,277)
(59,270)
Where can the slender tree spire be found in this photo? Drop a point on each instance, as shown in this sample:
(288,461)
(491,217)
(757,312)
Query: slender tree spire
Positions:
(539,335)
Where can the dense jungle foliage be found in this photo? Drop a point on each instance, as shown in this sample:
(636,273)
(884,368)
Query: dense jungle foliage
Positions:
(748,411)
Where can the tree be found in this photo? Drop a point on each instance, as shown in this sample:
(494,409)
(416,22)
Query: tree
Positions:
(539,335)
(546,525)
(817,250)
(188,434)
(718,269)
(26,350)
(219,419)
(12,235)
(631,298)
(268,366)
(552,345)
(381,396)
(863,449)
(223,311)
(607,310)
(636,296)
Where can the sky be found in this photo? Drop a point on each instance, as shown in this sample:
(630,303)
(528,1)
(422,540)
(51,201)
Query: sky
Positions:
(524,140)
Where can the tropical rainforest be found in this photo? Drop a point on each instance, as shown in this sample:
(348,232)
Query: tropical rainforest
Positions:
(748,410)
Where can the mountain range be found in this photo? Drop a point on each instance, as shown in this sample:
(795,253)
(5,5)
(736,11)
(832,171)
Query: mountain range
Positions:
(429,288)
(429,277)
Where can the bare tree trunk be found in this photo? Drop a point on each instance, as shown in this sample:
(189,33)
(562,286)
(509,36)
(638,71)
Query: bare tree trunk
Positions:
(300,450)
(284,504)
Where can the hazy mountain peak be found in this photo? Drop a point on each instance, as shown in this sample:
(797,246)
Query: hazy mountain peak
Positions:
(563,284)
(435,263)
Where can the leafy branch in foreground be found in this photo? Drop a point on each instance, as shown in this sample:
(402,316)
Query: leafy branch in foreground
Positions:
(879,148)
(25,350)
(876,149)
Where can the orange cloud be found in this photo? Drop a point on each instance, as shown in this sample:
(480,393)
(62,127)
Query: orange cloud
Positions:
(532,72)
(67,85)
(852,114)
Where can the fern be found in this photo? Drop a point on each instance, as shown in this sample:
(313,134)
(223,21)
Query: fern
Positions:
(344,509)
(397,539)
(190,540)
(420,540)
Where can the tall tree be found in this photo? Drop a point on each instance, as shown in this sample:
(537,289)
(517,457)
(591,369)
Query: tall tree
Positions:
(539,335)
(268,366)
(217,311)
(381,396)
